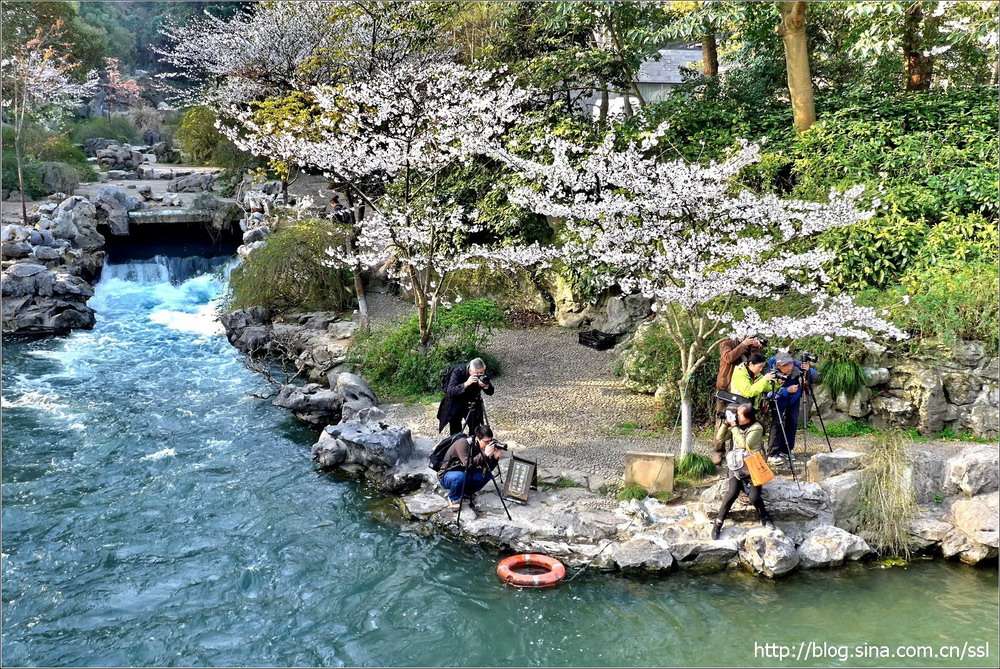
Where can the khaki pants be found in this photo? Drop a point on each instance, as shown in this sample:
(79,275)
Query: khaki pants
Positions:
(722,433)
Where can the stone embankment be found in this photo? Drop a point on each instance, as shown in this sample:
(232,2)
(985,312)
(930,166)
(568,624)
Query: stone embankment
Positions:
(816,520)
(49,267)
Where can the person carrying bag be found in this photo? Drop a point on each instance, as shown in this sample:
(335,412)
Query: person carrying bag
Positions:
(748,471)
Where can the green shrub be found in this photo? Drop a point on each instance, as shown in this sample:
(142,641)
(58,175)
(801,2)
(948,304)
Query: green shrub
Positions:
(290,272)
(392,359)
(653,360)
(694,466)
(969,238)
(874,253)
(197,135)
(847,428)
(887,501)
(31,171)
(117,127)
(630,492)
(842,376)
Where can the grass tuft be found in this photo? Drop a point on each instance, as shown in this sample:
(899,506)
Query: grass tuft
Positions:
(693,466)
(842,376)
(631,491)
(887,500)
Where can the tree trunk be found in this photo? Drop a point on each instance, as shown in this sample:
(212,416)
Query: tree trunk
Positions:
(710,56)
(793,33)
(359,281)
(603,118)
(425,332)
(627,104)
(919,67)
(687,430)
(20,179)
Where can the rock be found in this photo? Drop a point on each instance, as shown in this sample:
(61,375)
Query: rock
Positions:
(928,529)
(875,376)
(844,494)
(957,543)
(829,546)
(256,234)
(75,220)
(113,204)
(926,474)
(977,518)
(701,555)
(784,500)
(58,177)
(968,353)
(824,465)
(372,446)
(194,183)
(961,388)
(643,553)
(857,405)
(47,253)
(768,552)
(423,505)
(972,471)
(623,314)
(92,145)
(355,393)
(311,403)
(14,250)
(984,418)
(145,191)
(249,330)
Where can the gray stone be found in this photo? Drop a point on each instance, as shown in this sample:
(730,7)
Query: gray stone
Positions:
(875,376)
(972,471)
(703,555)
(856,405)
(58,177)
(194,183)
(784,500)
(47,253)
(356,394)
(623,314)
(768,552)
(968,353)
(311,403)
(928,528)
(844,494)
(377,445)
(961,387)
(977,518)
(15,250)
(256,234)
(824,465)
(829,546)
(423,505)
(643,553)
(113,204)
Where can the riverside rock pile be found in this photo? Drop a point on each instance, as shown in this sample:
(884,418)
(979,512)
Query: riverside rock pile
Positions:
(48,268)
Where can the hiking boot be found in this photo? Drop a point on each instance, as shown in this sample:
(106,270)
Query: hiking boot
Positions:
(716,530)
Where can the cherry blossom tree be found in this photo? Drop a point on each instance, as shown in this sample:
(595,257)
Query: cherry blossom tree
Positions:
(38,85)
(678,233)
(387,139)
(118,91)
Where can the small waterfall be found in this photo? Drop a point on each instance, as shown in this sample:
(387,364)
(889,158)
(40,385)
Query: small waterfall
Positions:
(164,269)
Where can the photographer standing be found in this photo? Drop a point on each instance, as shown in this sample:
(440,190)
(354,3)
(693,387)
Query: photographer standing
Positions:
(731,353)
(468,465)
(794,377)
(463,397)
(748,436)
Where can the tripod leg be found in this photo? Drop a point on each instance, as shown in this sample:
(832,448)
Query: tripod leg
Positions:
(821,423)
(496,486)
(780,417)
(461,500)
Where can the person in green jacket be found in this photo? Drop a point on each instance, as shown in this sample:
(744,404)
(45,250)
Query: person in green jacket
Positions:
(748,382)
(748,437)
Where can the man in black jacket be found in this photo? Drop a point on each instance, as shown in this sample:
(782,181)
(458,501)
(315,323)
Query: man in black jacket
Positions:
(463,396)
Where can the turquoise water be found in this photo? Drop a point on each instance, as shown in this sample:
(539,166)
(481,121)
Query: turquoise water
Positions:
(154,512)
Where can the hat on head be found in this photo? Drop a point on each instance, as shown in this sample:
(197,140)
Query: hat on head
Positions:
(783,358)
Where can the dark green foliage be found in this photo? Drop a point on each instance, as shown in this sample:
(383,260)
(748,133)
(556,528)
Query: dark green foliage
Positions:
(842,376)
(391,357)
(289,273)
(630,492)
(31,172)
(694,466)
(117,127)
(847,428)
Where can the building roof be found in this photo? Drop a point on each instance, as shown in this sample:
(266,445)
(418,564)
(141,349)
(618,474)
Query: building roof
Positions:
(667,70)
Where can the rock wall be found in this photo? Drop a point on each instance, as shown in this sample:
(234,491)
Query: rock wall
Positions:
(959,389)
(48,268)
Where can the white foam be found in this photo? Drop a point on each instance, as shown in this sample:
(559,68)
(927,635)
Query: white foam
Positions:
(159,455)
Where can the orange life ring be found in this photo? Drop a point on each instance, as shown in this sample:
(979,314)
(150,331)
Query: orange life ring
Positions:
(549,571)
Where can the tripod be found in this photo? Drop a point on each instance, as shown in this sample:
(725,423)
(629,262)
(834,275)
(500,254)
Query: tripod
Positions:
(776,415)
(819,414)
(468,462)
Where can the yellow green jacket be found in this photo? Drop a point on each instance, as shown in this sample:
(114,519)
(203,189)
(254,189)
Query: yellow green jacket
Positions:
(743,385)
(750,438)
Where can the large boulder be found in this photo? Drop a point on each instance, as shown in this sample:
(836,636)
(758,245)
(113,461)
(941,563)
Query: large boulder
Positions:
(311,403)
(199,182)
(824,465)
(784,499)
(701,555)
(58,177)
(76,221)
(928,528)
(113,204)
(844,494)
(768,552)
(829,546)
(623,314)
(249,330)
(972,471)
(355,393)
(363,446)
(978,518)
(644,554)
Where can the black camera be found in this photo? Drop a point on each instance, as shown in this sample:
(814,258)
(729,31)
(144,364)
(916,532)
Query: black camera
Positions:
(763,342)
(483,378)
(499,444)
(808,357)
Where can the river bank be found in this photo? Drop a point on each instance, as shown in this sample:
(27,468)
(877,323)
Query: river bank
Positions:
(572,518)
(155,512)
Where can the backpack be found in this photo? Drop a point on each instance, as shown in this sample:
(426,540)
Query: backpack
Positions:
(446,377)
(436,459)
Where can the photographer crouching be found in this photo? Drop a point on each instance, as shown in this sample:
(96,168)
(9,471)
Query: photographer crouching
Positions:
(468,466)
(748,437)
(794,377)
(463,388)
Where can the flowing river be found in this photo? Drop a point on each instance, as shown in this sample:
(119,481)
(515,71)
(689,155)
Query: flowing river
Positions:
(155,512)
